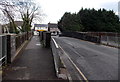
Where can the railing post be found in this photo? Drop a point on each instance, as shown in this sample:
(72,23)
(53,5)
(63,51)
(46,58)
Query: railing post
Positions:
(47,39)
(107,39)
(99,37)
(41,36)
(116,39)
(3,50)
(8,49)
(27,35)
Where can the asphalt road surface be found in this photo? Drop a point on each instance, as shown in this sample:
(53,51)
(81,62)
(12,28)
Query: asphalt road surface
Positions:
(97,62)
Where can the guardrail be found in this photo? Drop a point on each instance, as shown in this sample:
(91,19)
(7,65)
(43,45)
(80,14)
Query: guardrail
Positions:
(3,50)
(21,38)
(9,44)
(45,38)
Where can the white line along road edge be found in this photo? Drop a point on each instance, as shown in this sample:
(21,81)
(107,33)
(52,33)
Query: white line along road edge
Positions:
(71,61)
(75,66)
(55,43)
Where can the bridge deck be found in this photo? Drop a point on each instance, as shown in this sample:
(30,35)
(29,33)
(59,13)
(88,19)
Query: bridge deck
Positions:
(35,63)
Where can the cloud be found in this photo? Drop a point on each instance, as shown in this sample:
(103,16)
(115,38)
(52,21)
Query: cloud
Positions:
(110,6)
(56,8)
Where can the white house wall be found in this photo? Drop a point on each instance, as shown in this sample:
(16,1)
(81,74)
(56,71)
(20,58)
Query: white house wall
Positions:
(41,28)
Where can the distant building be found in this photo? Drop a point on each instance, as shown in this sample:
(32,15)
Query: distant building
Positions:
(6,28)
(19,23)
(0,29)
(53,28)
(40,27)
(119,9)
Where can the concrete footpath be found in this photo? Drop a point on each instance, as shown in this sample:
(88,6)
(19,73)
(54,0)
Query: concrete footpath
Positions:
(35,63)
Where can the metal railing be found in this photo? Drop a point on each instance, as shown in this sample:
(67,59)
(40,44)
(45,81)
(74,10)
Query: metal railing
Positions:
(45,38)
(3,50)
(9,44)
(21,38)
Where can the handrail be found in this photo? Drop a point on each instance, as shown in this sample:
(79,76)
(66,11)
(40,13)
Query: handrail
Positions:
(2,58)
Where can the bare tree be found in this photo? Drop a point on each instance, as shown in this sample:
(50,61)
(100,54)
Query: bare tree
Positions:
(27,11)
(8,10)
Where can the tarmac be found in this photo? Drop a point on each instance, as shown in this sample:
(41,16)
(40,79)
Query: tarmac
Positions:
(34,63)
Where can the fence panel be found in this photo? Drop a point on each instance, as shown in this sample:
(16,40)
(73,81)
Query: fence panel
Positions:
(13,46)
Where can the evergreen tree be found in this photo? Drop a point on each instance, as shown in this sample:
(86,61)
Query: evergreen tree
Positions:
(90,20)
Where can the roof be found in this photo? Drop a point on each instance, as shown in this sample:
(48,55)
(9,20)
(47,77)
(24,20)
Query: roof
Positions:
(19,23)
(40,25)
(52,25)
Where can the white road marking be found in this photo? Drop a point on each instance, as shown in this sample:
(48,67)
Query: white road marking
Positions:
(55,43)
(38,44)
(26,77)
(18,68)
(75,66)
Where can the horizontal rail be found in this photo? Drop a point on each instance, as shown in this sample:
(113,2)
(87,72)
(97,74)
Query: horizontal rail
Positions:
(2,58)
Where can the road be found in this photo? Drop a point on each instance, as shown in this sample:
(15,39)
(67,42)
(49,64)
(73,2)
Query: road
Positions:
(97,62)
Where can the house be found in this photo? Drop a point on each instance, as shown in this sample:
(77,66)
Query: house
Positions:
(0,29)
(53,28)
(19,23)
(40,27)
(5,27)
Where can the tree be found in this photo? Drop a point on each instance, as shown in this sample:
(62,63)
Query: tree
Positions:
(99,20)
(90,20)
(24,10)
(7,9)
(29,12)
(69,22)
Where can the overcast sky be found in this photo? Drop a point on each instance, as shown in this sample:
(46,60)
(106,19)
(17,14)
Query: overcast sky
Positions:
(54,9)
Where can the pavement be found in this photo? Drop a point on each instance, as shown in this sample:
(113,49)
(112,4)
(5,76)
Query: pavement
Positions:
(35,63)
(96,62)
